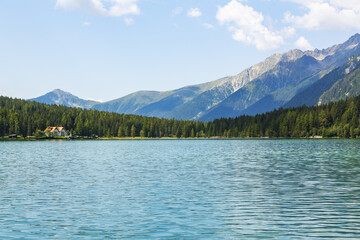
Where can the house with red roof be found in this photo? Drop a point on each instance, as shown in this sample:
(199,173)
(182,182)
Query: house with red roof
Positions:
(55,131)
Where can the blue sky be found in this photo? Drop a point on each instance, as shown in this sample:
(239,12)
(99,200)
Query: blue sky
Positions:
(105,49)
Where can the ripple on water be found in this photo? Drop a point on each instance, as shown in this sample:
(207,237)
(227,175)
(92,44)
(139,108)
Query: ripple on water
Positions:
(171,189)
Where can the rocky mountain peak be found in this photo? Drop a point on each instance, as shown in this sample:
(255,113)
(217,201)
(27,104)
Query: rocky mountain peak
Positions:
(58,92)
(60,97)
(355,39)
(292,55)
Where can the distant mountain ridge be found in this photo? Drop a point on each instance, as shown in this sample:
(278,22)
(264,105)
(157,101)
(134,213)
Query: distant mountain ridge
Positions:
(292,78)
(60,97)
(289,77)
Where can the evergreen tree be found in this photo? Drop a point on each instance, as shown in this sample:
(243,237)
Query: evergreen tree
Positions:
(121,132)
(133,131)
(192,133)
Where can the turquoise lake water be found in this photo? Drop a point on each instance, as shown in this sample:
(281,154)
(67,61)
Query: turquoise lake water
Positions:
(180,189)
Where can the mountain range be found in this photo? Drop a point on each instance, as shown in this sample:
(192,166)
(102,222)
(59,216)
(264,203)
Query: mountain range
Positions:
(290,79)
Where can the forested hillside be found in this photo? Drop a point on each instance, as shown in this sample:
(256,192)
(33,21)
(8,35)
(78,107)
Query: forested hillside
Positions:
(348,86)
(340,119)
(341,83)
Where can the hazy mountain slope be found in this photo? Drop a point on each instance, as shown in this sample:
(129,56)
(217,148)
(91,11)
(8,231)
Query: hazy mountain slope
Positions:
(154,103)
(195,108)
(281,96)
(348,86)
(285,74)
(165,106)
(278,86)
(131,103)
(326,60)
(60,97)
(310,96)
(189,102)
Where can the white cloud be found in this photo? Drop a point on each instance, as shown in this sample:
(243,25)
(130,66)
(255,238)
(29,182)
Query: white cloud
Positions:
(247,26)
(101,7)
(303,44)
(327,15)
(287,32)
(86,24)
(91,6)
(123,7)
(350,4)
(194,12)
(208,26)
(129,21)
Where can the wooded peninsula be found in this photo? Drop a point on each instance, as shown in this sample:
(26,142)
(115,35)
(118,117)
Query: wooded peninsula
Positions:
(27,118)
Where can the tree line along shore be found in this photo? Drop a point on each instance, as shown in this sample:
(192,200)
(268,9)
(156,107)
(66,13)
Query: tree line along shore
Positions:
(26,118)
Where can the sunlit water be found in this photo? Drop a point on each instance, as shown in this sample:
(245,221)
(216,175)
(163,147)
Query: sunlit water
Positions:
(180,189)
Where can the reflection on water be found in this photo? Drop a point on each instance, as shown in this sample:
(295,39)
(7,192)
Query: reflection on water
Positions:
(210,189)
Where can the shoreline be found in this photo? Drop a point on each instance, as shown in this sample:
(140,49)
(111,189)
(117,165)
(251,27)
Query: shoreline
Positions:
(161,138)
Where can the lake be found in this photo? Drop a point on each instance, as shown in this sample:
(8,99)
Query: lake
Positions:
(180,189)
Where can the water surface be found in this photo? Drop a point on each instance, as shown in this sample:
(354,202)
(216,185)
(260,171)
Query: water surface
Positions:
(180,189)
